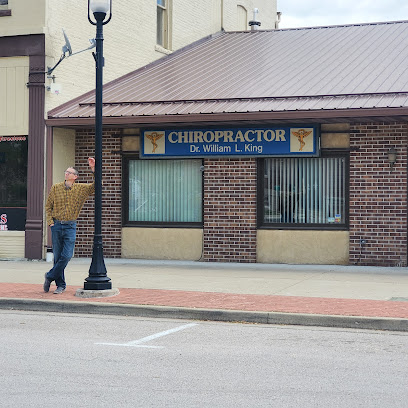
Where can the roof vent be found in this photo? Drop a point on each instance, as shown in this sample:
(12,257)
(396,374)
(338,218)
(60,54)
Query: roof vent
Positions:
(278,19)
(254,24)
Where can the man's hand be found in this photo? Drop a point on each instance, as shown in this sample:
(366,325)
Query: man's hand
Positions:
(91,162)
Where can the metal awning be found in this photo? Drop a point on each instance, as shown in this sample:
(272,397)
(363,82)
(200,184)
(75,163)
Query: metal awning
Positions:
(332,72)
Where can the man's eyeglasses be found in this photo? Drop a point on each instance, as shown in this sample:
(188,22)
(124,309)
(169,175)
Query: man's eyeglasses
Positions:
(69,172)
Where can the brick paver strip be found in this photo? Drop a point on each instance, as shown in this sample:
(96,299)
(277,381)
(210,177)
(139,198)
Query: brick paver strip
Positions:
(226,301)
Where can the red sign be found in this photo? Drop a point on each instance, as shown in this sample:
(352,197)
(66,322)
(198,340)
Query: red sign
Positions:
(13,138)
(3,222)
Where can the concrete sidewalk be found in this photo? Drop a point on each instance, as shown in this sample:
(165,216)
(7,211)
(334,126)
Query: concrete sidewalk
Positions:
(318,295)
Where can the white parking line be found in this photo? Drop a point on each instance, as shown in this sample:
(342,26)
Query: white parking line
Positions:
(137,343)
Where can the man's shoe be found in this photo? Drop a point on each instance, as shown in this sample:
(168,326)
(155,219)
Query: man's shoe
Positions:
(47,283)
(59,290)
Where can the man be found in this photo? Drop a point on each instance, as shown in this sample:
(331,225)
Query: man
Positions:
(62,208)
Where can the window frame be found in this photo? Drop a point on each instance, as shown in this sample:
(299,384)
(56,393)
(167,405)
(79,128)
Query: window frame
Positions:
(152,224)
(16,211)
(5,11)
(166,24)
(324,153)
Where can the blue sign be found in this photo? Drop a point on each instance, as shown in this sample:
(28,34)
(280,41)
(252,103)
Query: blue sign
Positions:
(250,142)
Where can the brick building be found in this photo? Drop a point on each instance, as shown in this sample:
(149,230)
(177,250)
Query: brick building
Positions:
(283,146)
(31,39)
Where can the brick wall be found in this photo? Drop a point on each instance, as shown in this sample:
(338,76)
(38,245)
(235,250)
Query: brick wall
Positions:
(378,196)
(111,194)
(230,210)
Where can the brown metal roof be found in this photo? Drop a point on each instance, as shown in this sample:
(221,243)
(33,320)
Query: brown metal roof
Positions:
(352,67)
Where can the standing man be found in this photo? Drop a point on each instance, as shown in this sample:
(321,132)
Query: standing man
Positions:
(63,206)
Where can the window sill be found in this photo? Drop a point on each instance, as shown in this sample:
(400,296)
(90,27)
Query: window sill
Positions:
(133,224)
(316,227)
(162,50)
(5,13)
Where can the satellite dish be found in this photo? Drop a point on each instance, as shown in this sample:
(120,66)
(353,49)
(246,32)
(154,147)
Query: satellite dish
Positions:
(67,47)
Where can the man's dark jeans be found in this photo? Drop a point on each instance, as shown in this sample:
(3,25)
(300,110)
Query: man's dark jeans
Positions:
(63,242)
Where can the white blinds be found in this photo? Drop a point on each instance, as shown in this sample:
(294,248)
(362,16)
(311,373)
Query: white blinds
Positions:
(305,190)
(165,190)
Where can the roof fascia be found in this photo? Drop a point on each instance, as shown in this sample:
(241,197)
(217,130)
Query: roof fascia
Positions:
(224,117)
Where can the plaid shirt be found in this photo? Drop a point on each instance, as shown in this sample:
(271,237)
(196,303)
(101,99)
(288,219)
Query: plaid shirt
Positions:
(64,204)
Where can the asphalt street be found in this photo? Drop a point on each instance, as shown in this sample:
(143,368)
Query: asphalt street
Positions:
(70,360)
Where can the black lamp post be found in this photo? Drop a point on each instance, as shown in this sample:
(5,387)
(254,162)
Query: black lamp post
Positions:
(98,279)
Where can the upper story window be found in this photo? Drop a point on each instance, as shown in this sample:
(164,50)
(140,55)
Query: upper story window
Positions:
(4,8)
(163,23)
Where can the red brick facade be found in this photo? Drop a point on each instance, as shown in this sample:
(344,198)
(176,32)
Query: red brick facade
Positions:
(230,210)
(111,194)
(378,196)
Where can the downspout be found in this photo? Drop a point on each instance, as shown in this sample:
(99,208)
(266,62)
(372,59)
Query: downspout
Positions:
(49,176)
(222,15)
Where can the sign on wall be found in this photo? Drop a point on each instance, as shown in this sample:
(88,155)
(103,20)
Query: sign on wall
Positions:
(252,142)
(12,219)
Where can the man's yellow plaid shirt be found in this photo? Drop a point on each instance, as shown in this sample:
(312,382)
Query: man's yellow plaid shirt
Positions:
(64,204)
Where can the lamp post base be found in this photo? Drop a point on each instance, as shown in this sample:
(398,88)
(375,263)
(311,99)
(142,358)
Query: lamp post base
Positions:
(97,285)
(86,294)
(98,278)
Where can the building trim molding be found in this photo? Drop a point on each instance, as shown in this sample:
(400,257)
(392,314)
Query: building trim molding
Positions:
(32,46)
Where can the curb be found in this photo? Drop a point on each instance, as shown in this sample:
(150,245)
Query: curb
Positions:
(221,315)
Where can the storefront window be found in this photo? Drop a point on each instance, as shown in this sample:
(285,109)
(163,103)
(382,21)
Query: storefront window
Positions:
(13,182)
(305,191)
(164,191)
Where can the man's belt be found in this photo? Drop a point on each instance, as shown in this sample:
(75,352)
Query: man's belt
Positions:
(64,222)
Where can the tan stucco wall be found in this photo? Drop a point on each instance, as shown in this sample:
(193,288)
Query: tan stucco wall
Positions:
(162,243)
(64,152)
(303,247)
(131,143)
(335,136)
(14,96)
(27,17)
(12,244)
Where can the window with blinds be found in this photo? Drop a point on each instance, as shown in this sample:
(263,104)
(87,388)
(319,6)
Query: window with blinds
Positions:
(165,191)
(305,191)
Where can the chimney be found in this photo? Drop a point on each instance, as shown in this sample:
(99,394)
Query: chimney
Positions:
(278,19)
(254,24)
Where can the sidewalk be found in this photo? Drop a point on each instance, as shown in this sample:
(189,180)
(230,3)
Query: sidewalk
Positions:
(317,295)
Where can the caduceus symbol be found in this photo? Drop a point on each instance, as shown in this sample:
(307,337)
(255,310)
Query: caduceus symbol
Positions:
(154,137)
(301,134)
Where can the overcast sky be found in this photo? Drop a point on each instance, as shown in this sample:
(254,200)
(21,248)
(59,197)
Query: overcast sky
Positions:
(309,13)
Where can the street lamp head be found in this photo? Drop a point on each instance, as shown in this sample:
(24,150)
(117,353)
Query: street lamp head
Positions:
(101,10)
